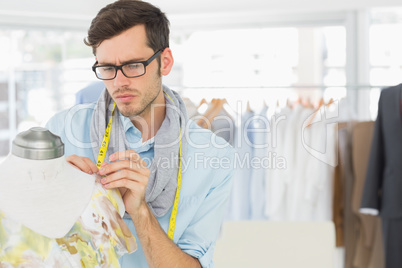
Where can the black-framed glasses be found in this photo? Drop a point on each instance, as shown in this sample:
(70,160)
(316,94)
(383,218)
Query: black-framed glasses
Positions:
(130,70)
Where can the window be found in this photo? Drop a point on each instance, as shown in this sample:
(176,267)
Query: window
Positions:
(385,51)
(40,72)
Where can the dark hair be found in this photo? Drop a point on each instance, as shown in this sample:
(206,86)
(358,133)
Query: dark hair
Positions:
(121,15)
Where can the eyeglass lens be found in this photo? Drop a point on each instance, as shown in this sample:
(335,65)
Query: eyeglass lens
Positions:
(129,70)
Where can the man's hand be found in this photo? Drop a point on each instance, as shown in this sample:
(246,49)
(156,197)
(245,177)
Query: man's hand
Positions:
(128,172)
(82,163)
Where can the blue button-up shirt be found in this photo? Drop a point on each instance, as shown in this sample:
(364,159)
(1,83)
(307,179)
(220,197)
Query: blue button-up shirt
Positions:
(206,180)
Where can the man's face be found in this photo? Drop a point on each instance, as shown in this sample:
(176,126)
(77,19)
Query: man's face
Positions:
(133,96)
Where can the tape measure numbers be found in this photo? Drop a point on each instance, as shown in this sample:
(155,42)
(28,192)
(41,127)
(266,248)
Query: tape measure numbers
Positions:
(105,141)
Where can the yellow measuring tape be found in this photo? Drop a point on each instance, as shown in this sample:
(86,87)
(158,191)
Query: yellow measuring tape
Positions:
(172,223)
(105,142)
(101,158)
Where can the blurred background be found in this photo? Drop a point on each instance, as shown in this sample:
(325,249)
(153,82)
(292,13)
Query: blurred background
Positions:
(277,50)
(257,53)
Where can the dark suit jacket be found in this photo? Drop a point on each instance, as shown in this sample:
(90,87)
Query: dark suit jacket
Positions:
(383,185)
(368,251)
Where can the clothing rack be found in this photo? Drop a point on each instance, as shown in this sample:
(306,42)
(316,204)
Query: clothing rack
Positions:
(361,100)
(311,87)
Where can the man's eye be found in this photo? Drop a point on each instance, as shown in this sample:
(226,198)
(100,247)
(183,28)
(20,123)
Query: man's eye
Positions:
(107,69)
(133,66)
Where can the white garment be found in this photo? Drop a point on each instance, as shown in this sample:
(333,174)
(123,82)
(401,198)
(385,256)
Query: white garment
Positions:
(259,140)
(296,208)
(322,163)
(35,193)
(303,190)
(275,186)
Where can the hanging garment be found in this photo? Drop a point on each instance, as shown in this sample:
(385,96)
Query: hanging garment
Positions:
(383,186)
(382,189)
(368,224)
(260,159)
(219,120)
(392,233)
(377,259)
(239,201)
(297,206)
(338,207)
(275,183)
(350,218)
(223,125)
(321,161)
(97,239)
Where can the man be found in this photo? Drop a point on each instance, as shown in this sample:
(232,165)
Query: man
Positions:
(149,134)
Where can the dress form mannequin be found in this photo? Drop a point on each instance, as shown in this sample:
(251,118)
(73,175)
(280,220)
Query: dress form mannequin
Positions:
(47,196)
(39,189)
(52,214)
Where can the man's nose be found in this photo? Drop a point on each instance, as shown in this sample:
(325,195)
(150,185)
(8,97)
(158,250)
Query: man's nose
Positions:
(120,79)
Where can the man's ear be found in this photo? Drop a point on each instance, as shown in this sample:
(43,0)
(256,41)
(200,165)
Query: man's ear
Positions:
(166,61)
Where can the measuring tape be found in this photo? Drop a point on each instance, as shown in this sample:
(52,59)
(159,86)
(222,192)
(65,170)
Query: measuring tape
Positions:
(105,142)
(101,158)
(172,223)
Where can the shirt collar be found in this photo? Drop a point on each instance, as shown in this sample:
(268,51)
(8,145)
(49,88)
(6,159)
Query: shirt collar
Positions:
(135,134)
(127,125)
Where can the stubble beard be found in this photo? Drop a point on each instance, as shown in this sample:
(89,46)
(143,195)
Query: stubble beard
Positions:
(149,96)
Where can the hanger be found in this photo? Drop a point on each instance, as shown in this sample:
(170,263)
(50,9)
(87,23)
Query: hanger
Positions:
(309,103)
(202,122)
(232,113)
(248,108)
(330,102)
(298,101)
(277,108)
(288,103)
(202,106)
(218,107)
(203,101)
(264,104)
(320,104)
(215,107)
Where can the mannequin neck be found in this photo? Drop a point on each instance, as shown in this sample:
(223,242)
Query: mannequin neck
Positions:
(32,171)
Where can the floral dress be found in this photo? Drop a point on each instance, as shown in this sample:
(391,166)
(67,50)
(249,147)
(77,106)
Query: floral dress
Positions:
(97,239)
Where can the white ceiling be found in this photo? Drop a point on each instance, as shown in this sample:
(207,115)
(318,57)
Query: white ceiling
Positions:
(78,13)
(175,7)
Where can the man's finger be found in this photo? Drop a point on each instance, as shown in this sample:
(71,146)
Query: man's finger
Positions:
(129,154)
(82,163)
(90,164)
(139,167)
(124,177)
